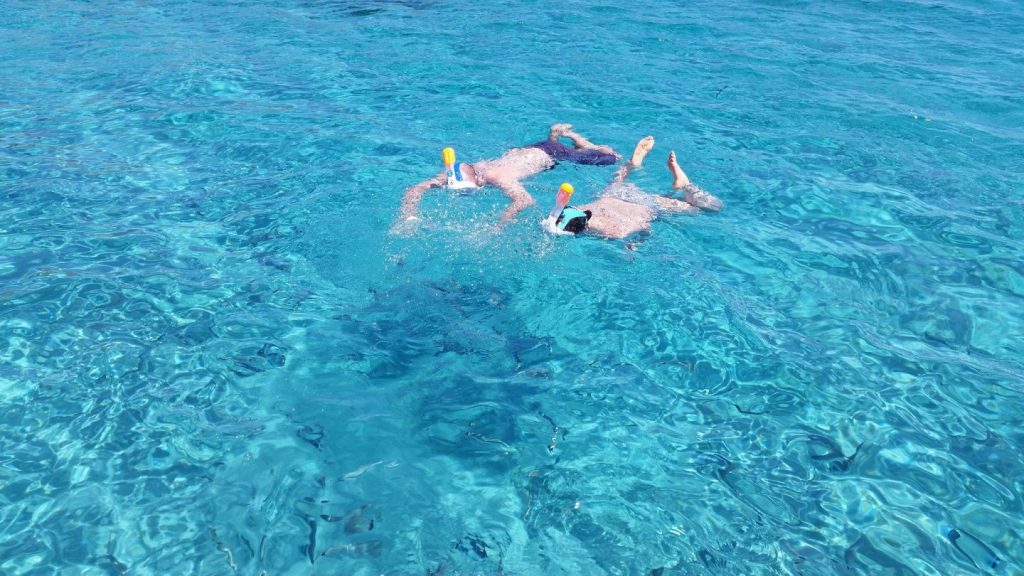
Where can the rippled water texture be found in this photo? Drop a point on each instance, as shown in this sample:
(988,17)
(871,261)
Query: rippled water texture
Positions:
(214,359)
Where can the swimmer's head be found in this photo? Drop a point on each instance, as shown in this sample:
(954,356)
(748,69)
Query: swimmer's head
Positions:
(458,176)
(573,220)
(462,176)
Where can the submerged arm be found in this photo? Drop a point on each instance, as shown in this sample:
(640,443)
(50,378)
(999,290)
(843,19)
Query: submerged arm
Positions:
(413,195)
(518,195)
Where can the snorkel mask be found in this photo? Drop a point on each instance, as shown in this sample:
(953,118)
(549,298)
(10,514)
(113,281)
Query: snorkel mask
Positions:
(453,172)
(573,220)
(567,219)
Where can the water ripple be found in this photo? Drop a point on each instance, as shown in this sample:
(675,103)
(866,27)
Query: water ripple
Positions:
(214,359)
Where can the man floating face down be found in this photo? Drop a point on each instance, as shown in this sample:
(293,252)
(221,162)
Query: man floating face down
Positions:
(623,209)
(507,172)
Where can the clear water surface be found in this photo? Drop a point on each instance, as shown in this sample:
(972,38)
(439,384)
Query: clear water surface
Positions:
(214,359)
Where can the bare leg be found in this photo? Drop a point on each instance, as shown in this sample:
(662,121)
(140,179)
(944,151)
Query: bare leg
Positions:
(679,179)
(674,206)
(694,195)
(643,147)
(581,143)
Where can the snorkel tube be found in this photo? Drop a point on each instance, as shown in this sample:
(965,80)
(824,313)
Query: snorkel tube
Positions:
(448,155)
(561,200)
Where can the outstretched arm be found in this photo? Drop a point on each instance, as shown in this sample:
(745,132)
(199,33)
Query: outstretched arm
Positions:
(518,195)
(413,195)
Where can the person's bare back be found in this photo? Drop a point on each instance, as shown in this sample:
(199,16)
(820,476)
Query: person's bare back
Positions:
(614,218)
(515,165)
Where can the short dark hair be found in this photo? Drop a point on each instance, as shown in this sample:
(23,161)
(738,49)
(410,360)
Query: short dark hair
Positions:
(579,223)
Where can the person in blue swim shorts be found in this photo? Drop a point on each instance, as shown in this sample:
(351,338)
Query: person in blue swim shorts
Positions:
(508,172)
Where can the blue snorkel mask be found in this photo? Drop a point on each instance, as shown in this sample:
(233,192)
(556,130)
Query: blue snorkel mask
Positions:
(567,219)
(573,220)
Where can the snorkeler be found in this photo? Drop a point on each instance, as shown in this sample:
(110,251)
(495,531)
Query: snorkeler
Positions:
(623,209)
(507,172)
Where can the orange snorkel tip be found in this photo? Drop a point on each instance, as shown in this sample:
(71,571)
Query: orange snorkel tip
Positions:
(565,192)
(565,189)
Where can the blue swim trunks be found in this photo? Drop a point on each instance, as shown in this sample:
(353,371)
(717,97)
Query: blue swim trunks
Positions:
(561,153)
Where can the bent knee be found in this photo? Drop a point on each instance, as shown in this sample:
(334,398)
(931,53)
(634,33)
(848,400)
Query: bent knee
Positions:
(525,201)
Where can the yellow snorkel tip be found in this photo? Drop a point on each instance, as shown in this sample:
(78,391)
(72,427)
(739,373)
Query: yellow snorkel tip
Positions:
(561,199)
(448,154)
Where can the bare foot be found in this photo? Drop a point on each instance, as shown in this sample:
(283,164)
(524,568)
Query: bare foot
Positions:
(679,178)
(640,152)
(558,130)
(694,195)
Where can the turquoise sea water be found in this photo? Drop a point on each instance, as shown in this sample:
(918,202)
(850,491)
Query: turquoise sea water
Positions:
(214,359)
